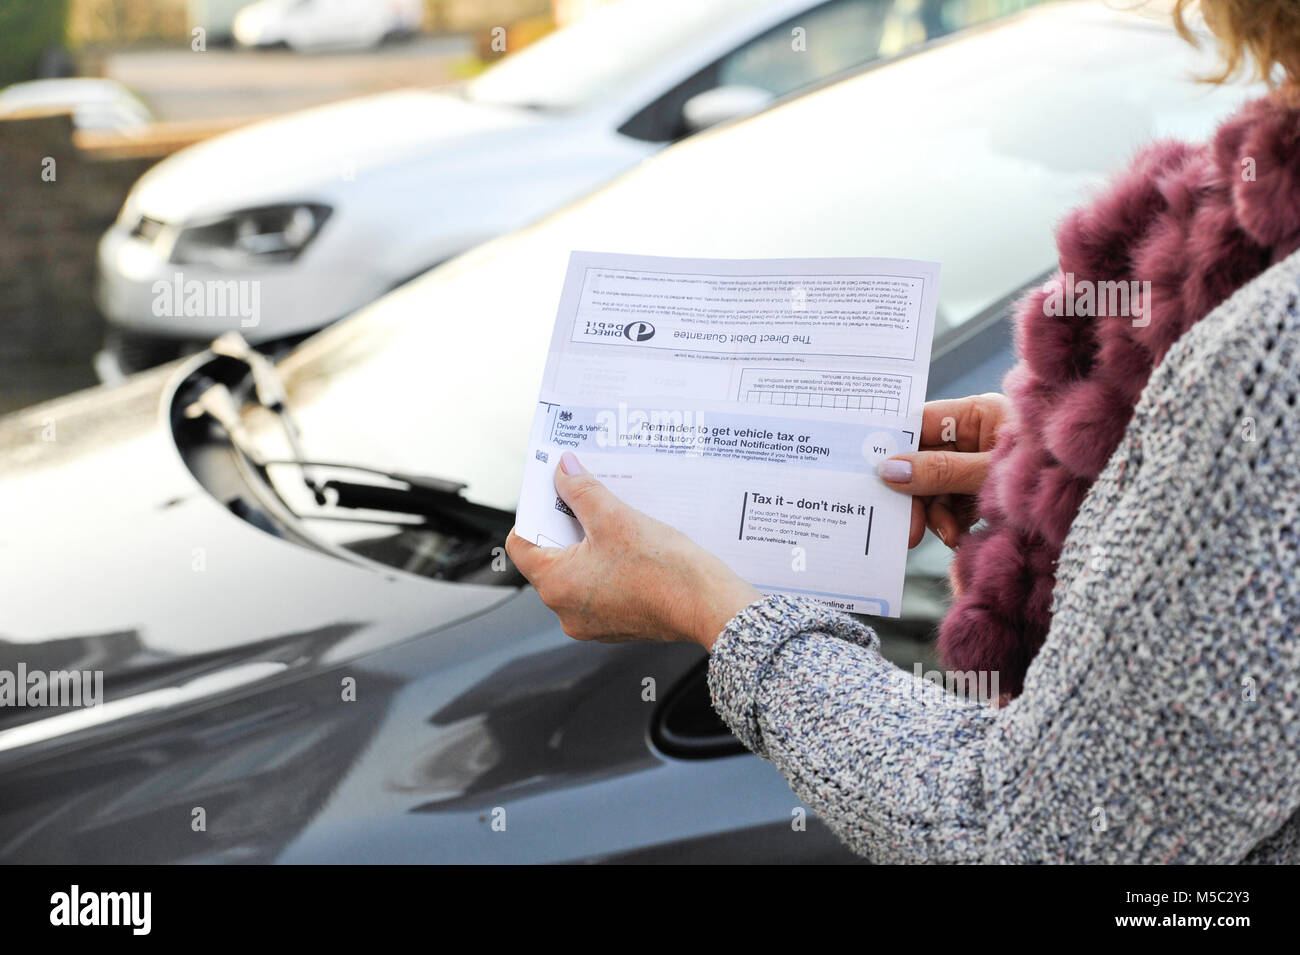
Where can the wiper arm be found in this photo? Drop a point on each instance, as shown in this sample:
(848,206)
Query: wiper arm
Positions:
(422,490)
(270,393)
(272,396)
(436,499)
(217,403)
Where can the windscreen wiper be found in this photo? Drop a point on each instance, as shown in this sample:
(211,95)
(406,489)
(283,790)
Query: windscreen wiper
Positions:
(437,500)
(271,394)
(216,402)
(434,485)
(422,496)
(445,509)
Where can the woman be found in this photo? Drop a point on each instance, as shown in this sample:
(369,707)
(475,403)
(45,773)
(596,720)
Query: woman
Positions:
(1141,488)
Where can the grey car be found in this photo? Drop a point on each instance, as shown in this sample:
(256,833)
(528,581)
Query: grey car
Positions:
(357,675)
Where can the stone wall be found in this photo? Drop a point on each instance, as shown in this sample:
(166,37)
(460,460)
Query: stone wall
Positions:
(49,326)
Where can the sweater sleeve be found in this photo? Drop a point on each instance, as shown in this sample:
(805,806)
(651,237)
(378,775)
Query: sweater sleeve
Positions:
(1160,722)
(881,757)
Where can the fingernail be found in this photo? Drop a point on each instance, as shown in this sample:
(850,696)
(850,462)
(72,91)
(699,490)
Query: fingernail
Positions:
(569,462)
(897,472)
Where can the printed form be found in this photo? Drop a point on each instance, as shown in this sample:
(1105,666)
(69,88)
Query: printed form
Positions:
(747,403)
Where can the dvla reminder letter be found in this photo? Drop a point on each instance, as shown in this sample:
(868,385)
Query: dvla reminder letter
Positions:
(747,403)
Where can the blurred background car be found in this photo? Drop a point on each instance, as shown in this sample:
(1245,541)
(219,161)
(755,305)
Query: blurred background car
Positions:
(325,24)
(95,104)
(228,604)
(327,209)
(215,17)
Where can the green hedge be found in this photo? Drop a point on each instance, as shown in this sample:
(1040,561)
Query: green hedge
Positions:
(27,29)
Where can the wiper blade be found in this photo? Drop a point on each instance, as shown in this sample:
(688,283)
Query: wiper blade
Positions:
(424,496)
(449,512)
(426,482)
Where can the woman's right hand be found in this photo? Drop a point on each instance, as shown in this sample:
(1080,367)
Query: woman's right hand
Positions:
(943,477)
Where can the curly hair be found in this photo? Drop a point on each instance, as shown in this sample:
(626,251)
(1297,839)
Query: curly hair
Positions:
(1255,36)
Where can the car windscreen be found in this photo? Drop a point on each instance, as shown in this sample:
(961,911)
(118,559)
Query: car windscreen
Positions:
(603,51)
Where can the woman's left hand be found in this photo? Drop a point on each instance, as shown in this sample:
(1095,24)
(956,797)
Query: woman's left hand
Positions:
(632,577)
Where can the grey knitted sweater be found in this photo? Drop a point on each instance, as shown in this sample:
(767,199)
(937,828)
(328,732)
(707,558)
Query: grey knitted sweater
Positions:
(1160,722)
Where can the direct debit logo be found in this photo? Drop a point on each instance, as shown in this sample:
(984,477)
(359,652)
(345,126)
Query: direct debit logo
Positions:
(638,331)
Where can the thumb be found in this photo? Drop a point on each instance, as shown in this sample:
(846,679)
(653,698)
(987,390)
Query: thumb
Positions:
(589,500)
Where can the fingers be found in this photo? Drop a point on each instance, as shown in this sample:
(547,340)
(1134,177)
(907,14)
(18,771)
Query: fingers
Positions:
(590,501)
(927,473)
(917,530)
(967,424)
(527,556)
(941,520)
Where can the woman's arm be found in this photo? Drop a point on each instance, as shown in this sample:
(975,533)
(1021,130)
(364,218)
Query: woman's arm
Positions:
(1158,723)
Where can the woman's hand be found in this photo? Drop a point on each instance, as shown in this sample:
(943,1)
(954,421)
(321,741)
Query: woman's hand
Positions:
(632,577)
(951,466)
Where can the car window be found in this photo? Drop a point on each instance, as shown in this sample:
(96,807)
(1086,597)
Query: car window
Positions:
(815,45)
(811,46)
(609,48)
(820,43)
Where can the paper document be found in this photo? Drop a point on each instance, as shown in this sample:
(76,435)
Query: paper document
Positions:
(747,403)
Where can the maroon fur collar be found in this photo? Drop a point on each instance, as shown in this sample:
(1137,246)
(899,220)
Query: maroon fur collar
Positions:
(1189,225)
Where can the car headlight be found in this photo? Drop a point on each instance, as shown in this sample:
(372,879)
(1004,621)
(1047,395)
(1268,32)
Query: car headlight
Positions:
(251,237)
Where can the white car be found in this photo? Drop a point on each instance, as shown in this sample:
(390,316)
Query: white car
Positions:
(326,24)
(320,212)
(95,104)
